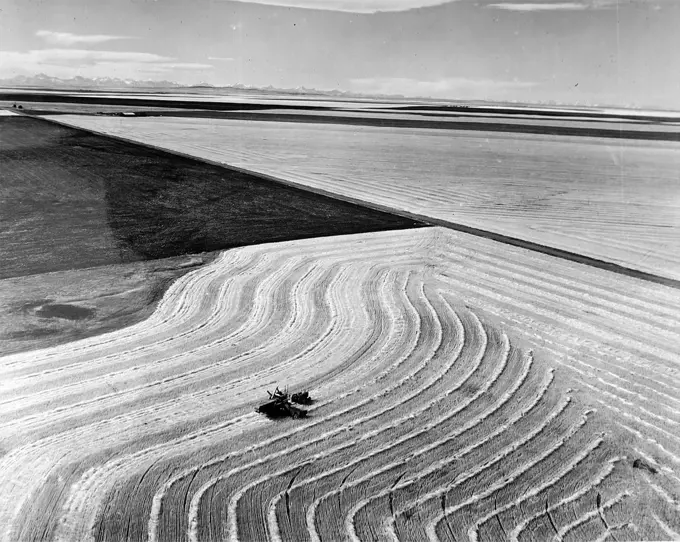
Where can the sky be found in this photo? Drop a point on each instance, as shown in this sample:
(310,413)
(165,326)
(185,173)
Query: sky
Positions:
(587,52)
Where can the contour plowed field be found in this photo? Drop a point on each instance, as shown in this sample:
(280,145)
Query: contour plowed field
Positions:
(610,200)
(434,417)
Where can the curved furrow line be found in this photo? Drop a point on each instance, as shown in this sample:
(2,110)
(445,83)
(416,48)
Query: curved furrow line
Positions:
(619,362)
(590,515)
(83,493)
(109,473)
(80,496)
(532,270)
(548,312)
(400,360)
(429,352)
(173,305)
(553,293)
(330,388)
(370,326)
(434,466)
(76,519)
(473,531)
(113,419)
(582,349)
(182,323)
(362,420)
(656,343)
(528,327)
(248,332)
(16,502)
(481,467)
(66,438)
(654,298)
(321,499)
(291,296)
(326,435)
(241,327)
(673,437)
(646,438)
(418,452)
(361,364)
(432,525)
(570,356)
(604,473)
(259,287)
(630,404)
(83,346)
(373,452)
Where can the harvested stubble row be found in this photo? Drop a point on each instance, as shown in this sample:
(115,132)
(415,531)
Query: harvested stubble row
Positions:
(434,417)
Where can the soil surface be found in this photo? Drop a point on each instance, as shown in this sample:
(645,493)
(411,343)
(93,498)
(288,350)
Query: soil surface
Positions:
(70,199)
(48,309)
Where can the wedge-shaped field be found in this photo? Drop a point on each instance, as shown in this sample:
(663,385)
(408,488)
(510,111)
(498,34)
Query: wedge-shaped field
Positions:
(463,390)
(608,199)
(72,199)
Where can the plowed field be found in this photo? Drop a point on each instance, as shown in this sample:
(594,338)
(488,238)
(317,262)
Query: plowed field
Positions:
(463,389)
(613,200)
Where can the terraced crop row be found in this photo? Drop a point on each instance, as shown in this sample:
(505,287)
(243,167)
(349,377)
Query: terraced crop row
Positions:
(449,404)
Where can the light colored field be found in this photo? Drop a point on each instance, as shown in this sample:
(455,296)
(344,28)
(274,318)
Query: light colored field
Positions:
(6,113)
(433,416)
(613,200)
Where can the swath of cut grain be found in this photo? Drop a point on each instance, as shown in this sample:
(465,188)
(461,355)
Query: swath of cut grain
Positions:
(457,444)
(431,417)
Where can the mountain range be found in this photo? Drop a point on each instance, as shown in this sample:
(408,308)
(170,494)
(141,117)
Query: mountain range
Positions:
(45,81)
(82,83)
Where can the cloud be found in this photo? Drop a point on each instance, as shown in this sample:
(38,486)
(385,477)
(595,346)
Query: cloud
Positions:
(71,62)
(83,56)
(373,6)
(66,38)
(222,58)
(448,87)
(558,6)
(352,6)
(579,5)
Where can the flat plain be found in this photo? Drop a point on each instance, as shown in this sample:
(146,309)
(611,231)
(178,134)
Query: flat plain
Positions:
(614,200)
(73,199)
(464,389)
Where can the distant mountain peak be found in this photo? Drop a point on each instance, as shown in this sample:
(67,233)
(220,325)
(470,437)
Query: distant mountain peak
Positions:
(42,80)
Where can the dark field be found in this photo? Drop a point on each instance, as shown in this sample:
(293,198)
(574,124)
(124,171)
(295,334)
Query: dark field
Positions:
(71,199)
(44,310)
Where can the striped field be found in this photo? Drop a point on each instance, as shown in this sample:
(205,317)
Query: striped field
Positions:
(608,199)
(464,390)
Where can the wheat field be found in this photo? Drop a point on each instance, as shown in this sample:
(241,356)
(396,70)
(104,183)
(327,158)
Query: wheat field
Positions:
(464,389)
(611,200)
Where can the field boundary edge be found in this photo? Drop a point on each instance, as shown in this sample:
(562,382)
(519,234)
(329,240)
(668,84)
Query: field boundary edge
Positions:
(424,219)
